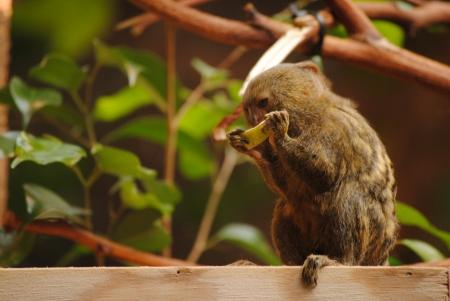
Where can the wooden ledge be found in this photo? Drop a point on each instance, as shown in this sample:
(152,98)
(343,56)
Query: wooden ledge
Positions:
(222,283)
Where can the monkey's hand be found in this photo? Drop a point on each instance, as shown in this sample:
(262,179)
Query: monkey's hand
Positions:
(278,123)
(239,143)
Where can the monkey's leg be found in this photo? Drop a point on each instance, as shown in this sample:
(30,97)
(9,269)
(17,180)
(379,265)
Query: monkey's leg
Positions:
(311,267)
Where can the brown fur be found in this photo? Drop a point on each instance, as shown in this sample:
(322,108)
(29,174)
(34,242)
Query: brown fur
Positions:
(330,169)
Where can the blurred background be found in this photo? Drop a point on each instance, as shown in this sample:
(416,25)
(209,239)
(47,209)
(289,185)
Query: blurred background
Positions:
(412,120)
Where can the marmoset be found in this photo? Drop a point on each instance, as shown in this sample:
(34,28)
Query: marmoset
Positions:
(333,176)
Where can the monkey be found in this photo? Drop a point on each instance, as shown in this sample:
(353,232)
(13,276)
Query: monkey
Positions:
(330,170)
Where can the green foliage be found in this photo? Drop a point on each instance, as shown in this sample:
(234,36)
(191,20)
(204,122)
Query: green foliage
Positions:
(113,107)
(45,150)
(149,237)
(44,204)
(64,26)
(59,71)
(7,144)
(162,196)
(391,31)
(14,247)
(133,63)
(409,216)
(248,238)
(120,162)
(29,100)
(424,250)
(211,76)
(195,160)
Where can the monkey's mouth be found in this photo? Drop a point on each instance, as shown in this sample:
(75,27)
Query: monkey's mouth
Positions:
(256,117)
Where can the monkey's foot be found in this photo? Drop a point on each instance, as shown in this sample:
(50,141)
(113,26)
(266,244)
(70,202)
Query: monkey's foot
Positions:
(242,262)
(311,267)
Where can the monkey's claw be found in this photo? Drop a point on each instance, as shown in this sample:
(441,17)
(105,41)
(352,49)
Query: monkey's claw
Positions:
(278,122)
(238,141)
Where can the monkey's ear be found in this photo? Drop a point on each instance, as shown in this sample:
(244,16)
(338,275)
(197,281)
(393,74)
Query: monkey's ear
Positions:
(308,65)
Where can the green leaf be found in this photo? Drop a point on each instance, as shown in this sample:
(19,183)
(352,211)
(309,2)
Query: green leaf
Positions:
(29,100)
(195,160)
(338,31)
(63,26)
(233,87)
(423,249)
(15,247)
(152,128)
(213,77)
(126,101)
(134,63)
(45,150)
(166,193)
(391,31)
(194,122)
(66,115)
(7,144)
(60,71)
(120,162)
(43,203)
(132,197)
(6,97)
(410,216)
(394,261)
(147,239)
(73,254)
(248,238)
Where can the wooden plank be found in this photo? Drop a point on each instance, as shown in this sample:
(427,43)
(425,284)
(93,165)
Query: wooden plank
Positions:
(222,283)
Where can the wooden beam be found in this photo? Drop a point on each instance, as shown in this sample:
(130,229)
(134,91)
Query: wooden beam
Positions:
(222,283)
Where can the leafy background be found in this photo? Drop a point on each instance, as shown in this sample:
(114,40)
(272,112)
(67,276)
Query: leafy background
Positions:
(56,43)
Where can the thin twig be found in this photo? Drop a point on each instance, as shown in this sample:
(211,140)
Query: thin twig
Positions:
(89,124)
(171,144)
(139,23)
(199,90)
(65,130)
(90,84)
(218,188)
(95,243)
(426,14)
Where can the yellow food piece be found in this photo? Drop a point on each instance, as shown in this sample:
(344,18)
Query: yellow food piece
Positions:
(256,135)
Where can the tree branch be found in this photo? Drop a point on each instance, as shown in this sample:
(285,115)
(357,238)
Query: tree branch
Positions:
(97,244)
(429,13)
(407,65)
(212,205)
(354,20)
(5,16)
(141,22)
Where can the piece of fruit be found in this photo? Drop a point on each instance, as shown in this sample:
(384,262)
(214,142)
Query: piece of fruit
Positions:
(256,135)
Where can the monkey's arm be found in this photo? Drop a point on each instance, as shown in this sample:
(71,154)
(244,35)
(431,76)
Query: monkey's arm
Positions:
(314,161)
(274,183)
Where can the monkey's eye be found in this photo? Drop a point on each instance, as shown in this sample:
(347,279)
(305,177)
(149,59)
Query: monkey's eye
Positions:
(262,103)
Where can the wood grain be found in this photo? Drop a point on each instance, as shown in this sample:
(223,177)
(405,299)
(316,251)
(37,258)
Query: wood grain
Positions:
(222,283)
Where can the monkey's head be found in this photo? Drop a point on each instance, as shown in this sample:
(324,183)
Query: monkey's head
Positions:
(290,87)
